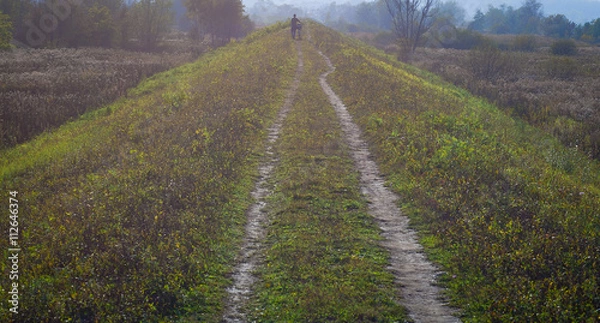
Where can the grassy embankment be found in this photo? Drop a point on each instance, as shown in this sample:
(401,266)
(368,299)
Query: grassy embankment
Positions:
(322,259)
(509,212)
(135,211)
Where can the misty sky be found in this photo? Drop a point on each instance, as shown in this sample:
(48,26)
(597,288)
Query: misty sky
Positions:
(579,11)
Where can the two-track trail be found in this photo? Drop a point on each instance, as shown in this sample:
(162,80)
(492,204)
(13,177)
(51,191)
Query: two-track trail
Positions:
(414,276)
(249,257)
(413,272)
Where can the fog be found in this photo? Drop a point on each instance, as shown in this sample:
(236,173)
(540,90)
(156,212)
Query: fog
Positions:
(579,11)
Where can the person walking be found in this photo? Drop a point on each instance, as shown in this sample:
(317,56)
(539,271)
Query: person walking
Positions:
(296,26)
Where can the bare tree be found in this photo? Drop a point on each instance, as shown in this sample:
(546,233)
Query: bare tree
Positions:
(411,19)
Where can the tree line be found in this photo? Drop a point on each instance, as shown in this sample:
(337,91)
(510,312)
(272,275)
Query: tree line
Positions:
(530,19)
(138,24)
(417,21)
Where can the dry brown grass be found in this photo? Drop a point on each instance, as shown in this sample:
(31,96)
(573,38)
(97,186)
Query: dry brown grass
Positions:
(42,89)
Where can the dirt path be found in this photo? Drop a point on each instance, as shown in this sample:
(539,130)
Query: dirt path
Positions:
(249,259)
(413,272)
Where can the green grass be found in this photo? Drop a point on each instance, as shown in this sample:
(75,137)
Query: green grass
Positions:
(509,212)
(323,262)
(135,212)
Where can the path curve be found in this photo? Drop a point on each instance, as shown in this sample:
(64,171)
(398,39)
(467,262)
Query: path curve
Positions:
(413,272)
(249,257)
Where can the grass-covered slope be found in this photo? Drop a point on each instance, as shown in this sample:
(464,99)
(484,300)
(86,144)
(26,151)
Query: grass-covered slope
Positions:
(134,212)
(510,213)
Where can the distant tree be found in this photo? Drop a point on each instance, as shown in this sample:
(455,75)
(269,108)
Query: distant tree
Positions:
(528,18)
(366,14)
(5,31)
(411,19)
(124,26)
(152,18)
(498,19)
(384,18)
(17,11)
(479,22)
(113,5)
(558,26)
(589,32)
(226,20)
(450,17)
(102,29)
(451,12)
(507,20)
(222,19)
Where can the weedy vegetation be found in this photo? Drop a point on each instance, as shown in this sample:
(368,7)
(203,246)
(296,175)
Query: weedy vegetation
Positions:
(509,212)
(134,212)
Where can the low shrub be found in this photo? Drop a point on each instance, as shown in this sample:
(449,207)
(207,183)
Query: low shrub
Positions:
(561,68)
(488,62)
(467,39)
(564,47)
(525,43)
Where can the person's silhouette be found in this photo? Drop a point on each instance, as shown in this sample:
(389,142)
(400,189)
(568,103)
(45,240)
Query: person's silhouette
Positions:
(296,26)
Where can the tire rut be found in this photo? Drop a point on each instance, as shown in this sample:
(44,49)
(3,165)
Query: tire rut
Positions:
(249,257)
(414,274)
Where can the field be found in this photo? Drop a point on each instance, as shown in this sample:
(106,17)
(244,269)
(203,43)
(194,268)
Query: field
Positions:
(558,94)
(136,211)
(42,89)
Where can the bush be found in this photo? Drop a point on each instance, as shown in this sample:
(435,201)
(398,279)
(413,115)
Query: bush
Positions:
(565,47)
(384,38)
(488,62)
(561,68)
(467,39)
(525,43)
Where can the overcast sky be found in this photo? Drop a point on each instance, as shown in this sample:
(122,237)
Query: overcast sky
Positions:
(579,11)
